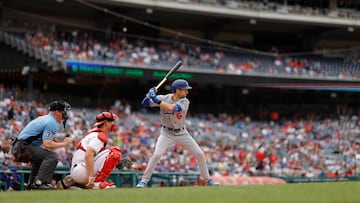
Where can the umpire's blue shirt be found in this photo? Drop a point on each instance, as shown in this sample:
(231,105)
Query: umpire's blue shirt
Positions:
(45,127)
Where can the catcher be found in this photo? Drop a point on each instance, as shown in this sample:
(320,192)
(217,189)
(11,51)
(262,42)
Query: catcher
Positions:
(93,161)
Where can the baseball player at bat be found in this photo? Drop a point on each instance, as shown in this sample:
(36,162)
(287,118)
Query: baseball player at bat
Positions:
(173,110)
(93,161)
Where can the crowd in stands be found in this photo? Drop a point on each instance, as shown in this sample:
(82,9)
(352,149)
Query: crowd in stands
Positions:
(306,8)
(314,146)
(119,49)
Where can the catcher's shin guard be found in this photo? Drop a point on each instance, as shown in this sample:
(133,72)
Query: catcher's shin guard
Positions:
(65,183)
(110,162)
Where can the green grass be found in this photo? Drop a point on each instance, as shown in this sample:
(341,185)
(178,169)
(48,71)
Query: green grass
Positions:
(340,192)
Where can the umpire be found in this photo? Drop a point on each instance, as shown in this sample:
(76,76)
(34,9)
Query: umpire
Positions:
(35,144)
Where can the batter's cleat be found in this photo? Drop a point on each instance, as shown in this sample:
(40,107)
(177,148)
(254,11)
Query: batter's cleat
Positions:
(124,163)
(212,183)
(104,185)
(142,184)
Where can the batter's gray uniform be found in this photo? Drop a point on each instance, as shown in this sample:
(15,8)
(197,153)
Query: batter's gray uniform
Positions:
(173,130)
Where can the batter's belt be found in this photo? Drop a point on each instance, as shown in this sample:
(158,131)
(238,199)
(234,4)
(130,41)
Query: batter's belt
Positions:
(175,130)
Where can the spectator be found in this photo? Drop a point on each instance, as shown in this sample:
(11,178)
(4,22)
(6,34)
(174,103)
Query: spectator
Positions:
(4,176)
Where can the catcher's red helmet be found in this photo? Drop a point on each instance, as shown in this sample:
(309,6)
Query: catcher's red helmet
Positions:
(104,116)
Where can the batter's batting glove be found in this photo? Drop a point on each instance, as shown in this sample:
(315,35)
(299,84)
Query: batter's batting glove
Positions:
(124,163)
(153,89)
(153,96)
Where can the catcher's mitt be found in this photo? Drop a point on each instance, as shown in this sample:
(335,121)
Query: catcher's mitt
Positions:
(124,163)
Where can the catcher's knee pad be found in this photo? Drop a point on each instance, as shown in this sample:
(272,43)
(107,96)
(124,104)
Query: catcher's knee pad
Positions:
(110,162)
(65,183)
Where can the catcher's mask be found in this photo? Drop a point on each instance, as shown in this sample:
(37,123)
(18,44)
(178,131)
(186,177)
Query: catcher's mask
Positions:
(102,117)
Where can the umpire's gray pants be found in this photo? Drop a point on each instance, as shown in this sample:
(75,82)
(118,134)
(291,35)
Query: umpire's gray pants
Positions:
(43,164)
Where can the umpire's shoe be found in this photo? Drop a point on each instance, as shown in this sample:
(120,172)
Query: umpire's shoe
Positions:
(38,185)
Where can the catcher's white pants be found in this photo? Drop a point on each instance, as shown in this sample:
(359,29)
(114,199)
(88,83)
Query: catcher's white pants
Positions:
(78,170)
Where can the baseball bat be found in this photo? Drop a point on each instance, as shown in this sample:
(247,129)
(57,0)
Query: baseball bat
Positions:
(171,71)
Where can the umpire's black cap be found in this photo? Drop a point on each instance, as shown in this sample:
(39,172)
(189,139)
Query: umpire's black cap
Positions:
(60,106)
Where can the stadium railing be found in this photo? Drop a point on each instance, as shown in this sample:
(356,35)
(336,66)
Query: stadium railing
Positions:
(324,179)
(126,178)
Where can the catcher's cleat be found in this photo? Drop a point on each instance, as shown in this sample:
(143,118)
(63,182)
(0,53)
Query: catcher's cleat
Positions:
(65,183)
(124,163)
(104,185)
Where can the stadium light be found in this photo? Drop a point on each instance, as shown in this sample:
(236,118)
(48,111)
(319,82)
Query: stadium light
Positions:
(333,95)
(149,11)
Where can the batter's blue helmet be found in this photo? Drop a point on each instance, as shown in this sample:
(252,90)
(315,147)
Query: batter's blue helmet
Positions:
(180,84)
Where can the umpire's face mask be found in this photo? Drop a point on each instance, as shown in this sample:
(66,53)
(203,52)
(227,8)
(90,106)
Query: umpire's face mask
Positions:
(65,114)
